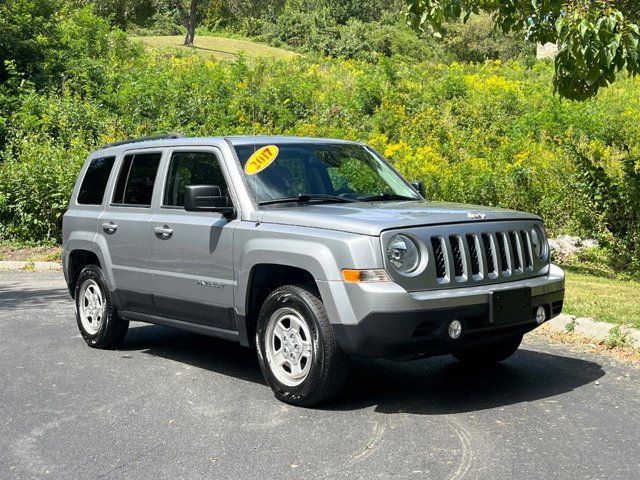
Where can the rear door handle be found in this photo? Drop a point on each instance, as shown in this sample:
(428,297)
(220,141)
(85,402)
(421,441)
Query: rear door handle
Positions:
(163,232)
(109,227)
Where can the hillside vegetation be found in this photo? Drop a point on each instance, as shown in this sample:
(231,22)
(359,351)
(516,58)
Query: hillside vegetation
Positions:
(488,133)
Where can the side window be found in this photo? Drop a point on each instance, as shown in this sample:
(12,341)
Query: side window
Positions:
(95,181)
(192,168)
(136,179)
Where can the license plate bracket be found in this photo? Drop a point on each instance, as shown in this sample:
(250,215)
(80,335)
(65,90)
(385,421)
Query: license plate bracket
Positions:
(510,306)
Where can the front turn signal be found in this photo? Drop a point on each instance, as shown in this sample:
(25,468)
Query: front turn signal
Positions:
(357,276)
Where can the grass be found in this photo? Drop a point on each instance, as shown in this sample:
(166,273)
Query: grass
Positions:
(605,299)
(218,47)
(30,253)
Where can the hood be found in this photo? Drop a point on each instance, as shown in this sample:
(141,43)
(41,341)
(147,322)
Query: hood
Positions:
(374,217)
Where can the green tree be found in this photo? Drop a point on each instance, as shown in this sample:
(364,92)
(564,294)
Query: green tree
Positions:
(123,12)
(598,39)
(28,32)
(47,43)
(191,13)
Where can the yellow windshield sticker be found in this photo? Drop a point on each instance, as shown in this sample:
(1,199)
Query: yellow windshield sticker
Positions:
(261,159)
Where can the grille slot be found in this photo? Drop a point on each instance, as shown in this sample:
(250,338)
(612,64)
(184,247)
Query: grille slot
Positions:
(473,254)
(502,249)
(528,257)
(516,248)
(438,254)
(488,250)
(456,251)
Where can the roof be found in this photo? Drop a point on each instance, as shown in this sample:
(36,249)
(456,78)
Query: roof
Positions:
(251,139)
(174,140)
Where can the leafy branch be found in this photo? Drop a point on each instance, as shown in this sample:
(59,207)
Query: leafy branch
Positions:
(597,39)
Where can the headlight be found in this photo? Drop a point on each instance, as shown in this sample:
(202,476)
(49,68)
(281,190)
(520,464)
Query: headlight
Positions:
(403,254)
(539,243)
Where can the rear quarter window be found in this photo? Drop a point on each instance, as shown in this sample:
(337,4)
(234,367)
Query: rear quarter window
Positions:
(95,181)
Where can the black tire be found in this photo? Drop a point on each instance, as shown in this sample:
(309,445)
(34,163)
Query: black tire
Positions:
(112,329)
(489,354)
(329,365)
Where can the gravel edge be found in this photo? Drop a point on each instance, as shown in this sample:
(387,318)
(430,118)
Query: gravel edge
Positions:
(589,328)
(18,265)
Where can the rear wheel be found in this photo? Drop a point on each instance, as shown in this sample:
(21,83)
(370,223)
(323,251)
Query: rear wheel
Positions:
(299,356)
(490,354)
(97,318)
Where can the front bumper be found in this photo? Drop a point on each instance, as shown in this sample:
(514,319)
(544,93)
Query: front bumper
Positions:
(384,320)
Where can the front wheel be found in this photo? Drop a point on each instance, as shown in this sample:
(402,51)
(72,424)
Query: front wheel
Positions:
(489,354)
(299,356)
(97,318)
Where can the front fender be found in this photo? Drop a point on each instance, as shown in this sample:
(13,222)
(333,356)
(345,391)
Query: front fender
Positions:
(322,253)
(315,259)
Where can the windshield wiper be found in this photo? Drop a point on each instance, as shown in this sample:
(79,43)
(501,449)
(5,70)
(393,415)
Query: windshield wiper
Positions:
(309,197)
(385,196)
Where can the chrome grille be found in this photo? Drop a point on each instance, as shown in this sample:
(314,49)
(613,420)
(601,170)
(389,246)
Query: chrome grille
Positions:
(470,254)
(479,256)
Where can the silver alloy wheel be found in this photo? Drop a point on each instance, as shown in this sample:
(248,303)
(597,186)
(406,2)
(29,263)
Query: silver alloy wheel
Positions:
(288,346)
(91,306)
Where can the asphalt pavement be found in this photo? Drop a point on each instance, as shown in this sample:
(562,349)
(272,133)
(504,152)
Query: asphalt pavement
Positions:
(175,405)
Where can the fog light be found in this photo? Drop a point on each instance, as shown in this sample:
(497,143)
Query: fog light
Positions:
(541,315)
(455,329)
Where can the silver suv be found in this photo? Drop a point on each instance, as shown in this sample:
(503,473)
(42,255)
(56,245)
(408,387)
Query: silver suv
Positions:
(310,250)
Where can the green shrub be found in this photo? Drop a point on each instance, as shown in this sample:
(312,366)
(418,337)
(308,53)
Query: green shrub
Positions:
(372,41)
(35,188)
(478,40)
(48,45)
(319,31)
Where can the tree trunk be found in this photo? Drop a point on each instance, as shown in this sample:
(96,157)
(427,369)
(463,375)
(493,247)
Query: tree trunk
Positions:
(191,33)
(189,20)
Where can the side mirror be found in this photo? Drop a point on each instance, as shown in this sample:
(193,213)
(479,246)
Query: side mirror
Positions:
(206,198)
(419,186)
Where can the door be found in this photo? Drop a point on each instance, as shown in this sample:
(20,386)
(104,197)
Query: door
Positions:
(124,226)
(192,252)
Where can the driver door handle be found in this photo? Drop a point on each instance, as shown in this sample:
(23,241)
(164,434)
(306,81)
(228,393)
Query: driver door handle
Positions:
(163,232)
(109,227)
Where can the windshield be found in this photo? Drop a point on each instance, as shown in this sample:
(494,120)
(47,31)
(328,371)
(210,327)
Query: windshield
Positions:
(319,171)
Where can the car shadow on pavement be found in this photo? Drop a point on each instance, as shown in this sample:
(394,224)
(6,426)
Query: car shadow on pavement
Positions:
(444,386)
(213,354)
(432,386)
(14,296)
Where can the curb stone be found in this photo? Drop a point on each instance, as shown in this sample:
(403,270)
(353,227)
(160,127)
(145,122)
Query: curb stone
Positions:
(16,266)
(590,328)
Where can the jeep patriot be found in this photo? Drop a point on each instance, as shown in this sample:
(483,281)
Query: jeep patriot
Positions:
(310,250)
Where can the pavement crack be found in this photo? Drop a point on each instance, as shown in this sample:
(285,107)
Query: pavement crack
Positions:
(131,461)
